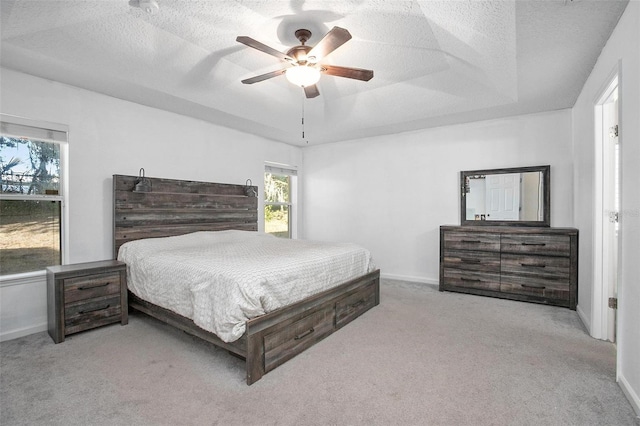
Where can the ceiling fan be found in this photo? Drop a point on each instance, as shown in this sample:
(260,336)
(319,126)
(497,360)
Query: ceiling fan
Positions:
(304,61)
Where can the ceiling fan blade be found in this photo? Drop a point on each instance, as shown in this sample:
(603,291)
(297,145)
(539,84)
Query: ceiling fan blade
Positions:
(311,91)
(330,42)
(264,48)
(348,72)
(263,77)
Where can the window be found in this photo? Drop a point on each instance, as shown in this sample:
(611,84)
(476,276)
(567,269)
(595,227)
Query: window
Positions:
(279,200)
(31,194)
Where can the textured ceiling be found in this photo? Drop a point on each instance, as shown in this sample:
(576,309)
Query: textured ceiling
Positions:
(435,62)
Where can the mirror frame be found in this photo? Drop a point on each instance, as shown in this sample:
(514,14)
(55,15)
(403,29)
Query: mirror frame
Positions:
(546,182)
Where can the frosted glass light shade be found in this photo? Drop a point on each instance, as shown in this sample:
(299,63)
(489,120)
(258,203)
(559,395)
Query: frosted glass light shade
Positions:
(303,76)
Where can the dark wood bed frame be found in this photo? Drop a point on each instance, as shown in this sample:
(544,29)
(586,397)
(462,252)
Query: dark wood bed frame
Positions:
(176,207)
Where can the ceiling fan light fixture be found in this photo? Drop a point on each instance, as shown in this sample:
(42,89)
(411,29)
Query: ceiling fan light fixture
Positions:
(303,76)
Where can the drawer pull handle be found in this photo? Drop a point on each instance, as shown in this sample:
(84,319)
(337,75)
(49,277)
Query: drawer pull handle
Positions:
(94,286)
(358,303)
(469,279)
(94,310)
(469,260)
(539,287)
(305,334)
(472,241)
(534,265)
(534,244)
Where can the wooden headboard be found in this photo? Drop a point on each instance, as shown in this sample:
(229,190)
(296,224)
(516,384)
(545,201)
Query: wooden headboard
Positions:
(176,207)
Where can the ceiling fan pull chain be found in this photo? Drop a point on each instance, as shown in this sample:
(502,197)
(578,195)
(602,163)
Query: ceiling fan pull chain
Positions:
(303,119)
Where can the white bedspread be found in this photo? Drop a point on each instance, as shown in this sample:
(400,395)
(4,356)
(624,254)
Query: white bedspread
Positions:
(222,279)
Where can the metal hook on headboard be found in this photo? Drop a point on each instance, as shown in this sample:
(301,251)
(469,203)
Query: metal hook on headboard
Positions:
(249,190)
(142,183)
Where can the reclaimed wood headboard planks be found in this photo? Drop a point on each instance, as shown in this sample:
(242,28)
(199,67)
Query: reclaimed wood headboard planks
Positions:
(176,207)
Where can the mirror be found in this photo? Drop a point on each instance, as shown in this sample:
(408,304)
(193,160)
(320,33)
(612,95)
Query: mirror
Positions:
(518,196)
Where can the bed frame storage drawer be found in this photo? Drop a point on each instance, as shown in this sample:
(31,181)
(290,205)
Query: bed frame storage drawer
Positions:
(84,296)
(521,263)
(354,305)
(285,343)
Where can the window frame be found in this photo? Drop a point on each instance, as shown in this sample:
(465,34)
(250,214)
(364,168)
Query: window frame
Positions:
(59,134)
(292,172)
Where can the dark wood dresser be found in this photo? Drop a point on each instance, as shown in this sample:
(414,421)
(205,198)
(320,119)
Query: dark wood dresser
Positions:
(84,296)
(521,263)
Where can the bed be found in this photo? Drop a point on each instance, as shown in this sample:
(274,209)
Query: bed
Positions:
(177,211)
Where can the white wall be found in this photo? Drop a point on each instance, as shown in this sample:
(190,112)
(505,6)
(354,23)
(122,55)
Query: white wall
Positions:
(392,193)
(623,46)
(109,136)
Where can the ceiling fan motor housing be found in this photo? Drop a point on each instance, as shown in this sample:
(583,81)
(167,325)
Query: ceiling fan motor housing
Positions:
(303,35)
(299,53)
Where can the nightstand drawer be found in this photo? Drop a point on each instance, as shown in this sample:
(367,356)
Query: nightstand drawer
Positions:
(91,286)
(84,315)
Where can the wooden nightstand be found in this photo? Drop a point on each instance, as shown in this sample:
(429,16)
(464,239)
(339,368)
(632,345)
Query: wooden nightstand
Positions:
(84,296)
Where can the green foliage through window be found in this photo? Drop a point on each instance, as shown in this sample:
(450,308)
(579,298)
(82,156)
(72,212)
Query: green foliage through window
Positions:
(277,204)
(29,167)
(30,205)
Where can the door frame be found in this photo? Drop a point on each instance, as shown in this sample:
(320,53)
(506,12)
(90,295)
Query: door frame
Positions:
(600,291)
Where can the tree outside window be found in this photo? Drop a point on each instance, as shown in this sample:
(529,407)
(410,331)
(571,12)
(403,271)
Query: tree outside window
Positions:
(30,205)
(277,204)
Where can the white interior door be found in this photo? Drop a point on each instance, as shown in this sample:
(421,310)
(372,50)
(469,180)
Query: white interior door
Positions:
(503,196)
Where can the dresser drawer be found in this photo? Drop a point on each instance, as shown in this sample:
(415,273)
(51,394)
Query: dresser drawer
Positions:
(352,306)
(536,266)
(91,286)
(86,314)
(539,287)
(548,245)
(471,279)
(283,344)
(471,241)
(481,261)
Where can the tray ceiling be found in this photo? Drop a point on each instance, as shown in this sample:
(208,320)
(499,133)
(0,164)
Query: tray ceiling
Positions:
(435,62)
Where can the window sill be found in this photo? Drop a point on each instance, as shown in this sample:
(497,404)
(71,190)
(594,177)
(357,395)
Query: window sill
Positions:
(35,277)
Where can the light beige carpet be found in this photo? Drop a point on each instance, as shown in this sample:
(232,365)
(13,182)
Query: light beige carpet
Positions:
(419,358)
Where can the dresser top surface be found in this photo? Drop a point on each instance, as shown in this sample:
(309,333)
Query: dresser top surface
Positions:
(511,229)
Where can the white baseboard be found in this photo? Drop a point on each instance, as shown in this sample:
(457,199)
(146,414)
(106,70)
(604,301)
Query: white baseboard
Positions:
(630,393)
(23,305)
(584,318)
(410,278)
(14,334)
